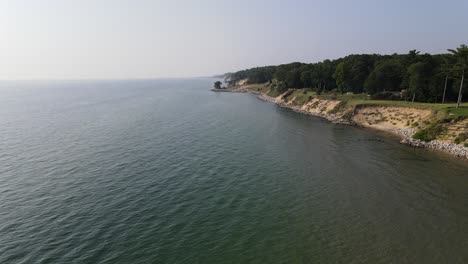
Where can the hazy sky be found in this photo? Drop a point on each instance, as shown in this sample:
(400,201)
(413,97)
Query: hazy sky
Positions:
(117,39)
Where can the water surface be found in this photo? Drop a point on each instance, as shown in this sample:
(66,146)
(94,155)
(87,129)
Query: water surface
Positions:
(165,171)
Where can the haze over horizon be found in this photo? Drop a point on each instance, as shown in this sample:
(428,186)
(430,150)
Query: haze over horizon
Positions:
(66,39)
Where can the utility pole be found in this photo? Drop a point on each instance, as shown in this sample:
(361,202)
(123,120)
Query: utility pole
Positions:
(461,87)
(445,89)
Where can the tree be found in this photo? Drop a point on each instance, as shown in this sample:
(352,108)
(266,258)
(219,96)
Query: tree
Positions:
(422,79)
(340,77)
(306,78)
(421,75)
(418,80)
(387,76)
(412,57)
(445,69)
(352,72)
(281,87)
(217,85)
(293,79)
(461,55)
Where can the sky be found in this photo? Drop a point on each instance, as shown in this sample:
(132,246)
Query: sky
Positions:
(140,39)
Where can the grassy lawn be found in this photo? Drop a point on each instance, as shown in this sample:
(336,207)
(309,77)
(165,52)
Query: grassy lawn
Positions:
(342,97)
(359,99)
(448,108)
(257,88)
(460,112)
(302,97)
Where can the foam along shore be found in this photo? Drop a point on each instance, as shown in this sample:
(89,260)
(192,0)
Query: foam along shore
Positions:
(403,121)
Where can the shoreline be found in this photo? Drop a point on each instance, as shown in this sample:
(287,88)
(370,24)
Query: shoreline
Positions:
(404,134)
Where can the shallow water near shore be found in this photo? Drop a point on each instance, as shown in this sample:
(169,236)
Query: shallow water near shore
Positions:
(166,171)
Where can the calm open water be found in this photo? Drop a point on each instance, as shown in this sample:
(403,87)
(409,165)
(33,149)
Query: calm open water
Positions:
(166,171)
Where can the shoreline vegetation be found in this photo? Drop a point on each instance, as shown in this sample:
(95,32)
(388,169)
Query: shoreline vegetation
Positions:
(422,98)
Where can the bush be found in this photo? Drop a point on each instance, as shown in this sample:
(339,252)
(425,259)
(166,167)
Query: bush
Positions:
(385,96)
(430,133)
(281,87)
(461,138)
(217,85)
(338,107)
(446,119)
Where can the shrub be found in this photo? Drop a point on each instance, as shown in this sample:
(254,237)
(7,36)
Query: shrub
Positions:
(315,104)
(461,138)
(446,120)
(385,96)
(429,133)
(340,106)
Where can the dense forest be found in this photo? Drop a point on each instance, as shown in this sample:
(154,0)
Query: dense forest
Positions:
(417,77)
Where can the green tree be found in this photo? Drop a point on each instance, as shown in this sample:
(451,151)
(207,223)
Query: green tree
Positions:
(461,55)
(293,79)
(352,72)
(387,76)
(340,77)
(306,78)
(281,87)
(422,75)
(217,85)
(445,71)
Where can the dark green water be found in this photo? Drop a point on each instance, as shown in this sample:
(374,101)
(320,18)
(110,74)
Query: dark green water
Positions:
(168,172)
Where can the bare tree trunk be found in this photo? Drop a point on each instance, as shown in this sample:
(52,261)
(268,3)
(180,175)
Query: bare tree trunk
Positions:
(414,95)
(445,89)
(460,91)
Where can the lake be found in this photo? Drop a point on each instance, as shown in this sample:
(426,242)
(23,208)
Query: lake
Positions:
(166,171)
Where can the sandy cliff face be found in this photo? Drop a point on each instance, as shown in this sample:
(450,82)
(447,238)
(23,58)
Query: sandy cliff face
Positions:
(455,129)
(316,107)
(319,106)
(389,118)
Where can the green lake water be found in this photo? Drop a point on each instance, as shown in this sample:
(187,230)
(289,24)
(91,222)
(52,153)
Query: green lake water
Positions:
(166,171)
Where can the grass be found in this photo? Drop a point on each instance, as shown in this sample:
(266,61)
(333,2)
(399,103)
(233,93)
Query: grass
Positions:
(460,112)
(256,87)
(342,97)
(430,106)
(302,96)
(359,99)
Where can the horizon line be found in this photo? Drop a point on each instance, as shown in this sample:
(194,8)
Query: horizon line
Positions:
(107,79)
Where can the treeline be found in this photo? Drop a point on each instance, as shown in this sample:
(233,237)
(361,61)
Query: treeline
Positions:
(423,77)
